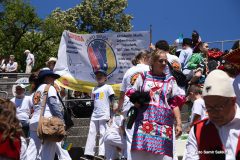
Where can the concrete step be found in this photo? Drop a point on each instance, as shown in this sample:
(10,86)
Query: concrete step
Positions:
(80,122)
(78,131)
(79,141)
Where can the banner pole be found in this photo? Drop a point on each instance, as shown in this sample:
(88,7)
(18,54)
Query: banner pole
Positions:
(150,45)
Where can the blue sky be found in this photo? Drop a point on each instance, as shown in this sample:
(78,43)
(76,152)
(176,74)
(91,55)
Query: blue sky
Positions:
(213,19)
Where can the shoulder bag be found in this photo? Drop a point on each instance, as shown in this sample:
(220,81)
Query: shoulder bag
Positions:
(51,128)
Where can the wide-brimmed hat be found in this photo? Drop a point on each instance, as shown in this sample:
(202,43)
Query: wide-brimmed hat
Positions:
(100,71)
(218,83)
(51,59)
(44,73)
(27,51)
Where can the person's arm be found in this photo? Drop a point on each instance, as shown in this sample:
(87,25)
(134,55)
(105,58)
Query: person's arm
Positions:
(177,115)
(54,107)
(120,102)
(192,147)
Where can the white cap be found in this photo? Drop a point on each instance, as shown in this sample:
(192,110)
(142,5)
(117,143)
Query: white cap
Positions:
(21,85)
(218,83)
(27,51)
(51,59)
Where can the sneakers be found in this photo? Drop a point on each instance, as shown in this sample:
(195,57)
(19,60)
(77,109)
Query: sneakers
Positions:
(87,157)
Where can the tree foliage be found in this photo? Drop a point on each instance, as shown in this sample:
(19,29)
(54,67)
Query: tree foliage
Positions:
(21,28)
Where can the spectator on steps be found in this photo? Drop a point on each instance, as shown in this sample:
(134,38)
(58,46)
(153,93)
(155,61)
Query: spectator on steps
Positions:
(23,106)
(12,66)
(29,61)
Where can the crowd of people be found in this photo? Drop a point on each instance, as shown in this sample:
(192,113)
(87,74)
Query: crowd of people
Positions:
(8,64)
(145,121)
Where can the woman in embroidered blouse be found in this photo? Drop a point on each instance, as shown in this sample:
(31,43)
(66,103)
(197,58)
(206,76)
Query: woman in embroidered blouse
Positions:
(153,138)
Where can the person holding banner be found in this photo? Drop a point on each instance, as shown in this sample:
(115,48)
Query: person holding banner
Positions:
(153,132)
(103,96)
(140,63)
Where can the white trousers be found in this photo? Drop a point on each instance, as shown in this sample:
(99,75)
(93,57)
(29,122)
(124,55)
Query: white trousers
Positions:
(62,153)
(95,127)
(142,155)
(38,151)
(112,141)
(129,137)
(28,69)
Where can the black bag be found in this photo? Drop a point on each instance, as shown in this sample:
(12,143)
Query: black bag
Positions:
(178,75)
(131,116)
(67,115)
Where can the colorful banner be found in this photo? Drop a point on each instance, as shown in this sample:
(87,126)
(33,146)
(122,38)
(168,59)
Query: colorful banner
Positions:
(79,55)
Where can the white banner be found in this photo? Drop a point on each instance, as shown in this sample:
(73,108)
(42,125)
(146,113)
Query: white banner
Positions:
(79,55)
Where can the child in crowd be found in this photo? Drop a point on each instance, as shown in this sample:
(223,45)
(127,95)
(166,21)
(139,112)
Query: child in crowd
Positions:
(103,96)
(113,138)
(198,109)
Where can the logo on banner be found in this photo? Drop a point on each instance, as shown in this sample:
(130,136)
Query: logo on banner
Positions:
(101,56)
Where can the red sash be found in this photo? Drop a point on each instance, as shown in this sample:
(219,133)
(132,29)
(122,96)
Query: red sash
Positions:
(209,143)
(10,150)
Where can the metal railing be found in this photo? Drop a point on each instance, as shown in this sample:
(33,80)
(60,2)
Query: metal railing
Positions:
(222,43)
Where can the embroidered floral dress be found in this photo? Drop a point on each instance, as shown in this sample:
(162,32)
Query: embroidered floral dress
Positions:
(154,123)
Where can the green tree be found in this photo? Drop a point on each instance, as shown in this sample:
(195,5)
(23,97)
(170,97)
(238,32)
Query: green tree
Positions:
(21,28)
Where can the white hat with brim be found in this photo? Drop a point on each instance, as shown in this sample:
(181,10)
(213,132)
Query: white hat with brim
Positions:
(27,51)
(51,59)
(21,85)
(218,83)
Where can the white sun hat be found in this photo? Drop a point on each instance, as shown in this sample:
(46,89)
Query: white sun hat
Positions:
(218,83)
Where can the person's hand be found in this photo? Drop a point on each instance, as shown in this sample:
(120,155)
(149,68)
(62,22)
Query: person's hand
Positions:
(152,46)
(178,130)
(188,129)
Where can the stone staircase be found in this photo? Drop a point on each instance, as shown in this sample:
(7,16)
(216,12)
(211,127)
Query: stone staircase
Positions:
(77,135)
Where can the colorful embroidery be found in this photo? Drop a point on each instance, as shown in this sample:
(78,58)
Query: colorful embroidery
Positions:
(147,127)
(37,97)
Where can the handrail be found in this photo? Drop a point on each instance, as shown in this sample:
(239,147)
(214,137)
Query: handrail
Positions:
(6,73)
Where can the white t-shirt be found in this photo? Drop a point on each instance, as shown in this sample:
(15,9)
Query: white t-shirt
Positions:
(116,123)
(23,107)
(184,56)
(11,67)
(37,103)
(199,108)
(30,59)
(128,81)
(100,95)
(236,86)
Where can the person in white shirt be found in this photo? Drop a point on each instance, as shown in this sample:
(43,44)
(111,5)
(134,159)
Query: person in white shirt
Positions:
(218,136)
(103,96)
(140,63)
(37,149)
(30,60)
(186,54)
(198,109)
(12,66)
(23,106)
(113,138)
